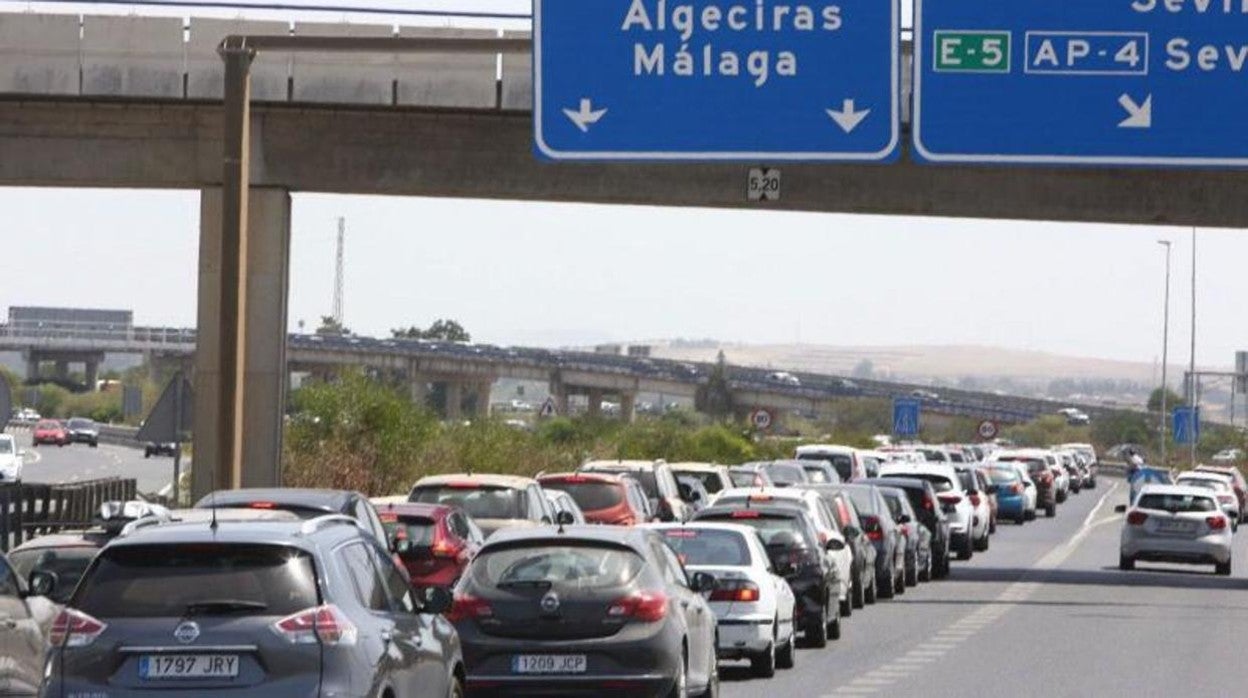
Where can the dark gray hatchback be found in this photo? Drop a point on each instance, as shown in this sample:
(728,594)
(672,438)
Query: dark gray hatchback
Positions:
(302,608)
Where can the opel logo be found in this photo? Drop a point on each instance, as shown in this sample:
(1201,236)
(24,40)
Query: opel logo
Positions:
(186,632)
(550,602)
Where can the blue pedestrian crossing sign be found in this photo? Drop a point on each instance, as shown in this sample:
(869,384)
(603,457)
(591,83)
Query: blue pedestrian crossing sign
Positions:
(906,417)
(1186,425)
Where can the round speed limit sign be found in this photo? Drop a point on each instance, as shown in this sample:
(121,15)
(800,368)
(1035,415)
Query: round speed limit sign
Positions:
(987,430)
(760,419)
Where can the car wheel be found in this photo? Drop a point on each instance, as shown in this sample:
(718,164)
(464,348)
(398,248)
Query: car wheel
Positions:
(1021,519)
(912,571)
(1030,515)
(680,689)
(870,594)
(95,444)
(967,550)
(1126,562)
(982,544)
(712,681)
(992,525)
(1050,510)
(925,574)
(847,606)
(786,657)
(886,590)
(763,665)
(817,632)
(1224,568)
(834,628)
(858,596)
(457,688)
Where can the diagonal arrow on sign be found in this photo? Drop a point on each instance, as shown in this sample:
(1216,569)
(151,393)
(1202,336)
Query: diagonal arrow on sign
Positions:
(847,118)
(1138,115)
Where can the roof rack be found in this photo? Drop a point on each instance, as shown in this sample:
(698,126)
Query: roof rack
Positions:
(313,525)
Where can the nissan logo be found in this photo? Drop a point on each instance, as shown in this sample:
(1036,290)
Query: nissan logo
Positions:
(550,602)
(186,632)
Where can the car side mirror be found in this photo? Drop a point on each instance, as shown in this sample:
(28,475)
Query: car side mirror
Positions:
(42,583)
(903,519)
(565,518)
(783,566)
(1120,509)
(834,545)
(853,531)
(435,600)
(702,582)
(994,489)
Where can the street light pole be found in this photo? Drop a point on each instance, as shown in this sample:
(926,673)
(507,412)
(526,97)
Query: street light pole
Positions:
(1165,349)
(1193,404)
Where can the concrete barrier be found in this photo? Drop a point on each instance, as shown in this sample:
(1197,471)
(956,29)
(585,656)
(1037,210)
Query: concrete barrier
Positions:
(517,76)
(346,78)
(133,56)
(447,79)
(39,54)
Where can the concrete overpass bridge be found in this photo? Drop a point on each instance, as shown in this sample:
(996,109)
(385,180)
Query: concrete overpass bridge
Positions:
(137,102)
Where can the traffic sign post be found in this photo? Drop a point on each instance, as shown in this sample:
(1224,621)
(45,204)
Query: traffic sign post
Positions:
(736,80)
(1137,82)
(548,409)
(906,413)
(1186,425)
(987,430)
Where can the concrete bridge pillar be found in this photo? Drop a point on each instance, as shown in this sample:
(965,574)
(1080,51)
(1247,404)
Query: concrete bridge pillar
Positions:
(628,407)
(32,365)
(482,407)
(418,387)
(91,374)
(240,356)
(595,403)
(454,401)
(62,370)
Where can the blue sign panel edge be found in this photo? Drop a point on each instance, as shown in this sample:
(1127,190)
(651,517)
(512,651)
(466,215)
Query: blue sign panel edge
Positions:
(885,155)
(928,156)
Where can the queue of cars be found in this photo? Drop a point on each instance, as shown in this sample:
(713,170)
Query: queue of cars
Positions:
(487,584)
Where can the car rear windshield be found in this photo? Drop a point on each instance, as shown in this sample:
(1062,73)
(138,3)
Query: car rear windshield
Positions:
(481,502)
(773,530)
(176,580)
(416,530)
(1204,484)
(67,564)
(940,483)
(583,566)
(1176,503)
(1003,476)
(843,463)
(817,475)
(300,511)
(708,547)
(862,498)
(47,424)
(709,480)
(745,478)
(6,446)
(645,477)
(81,424)
(589,496)
(787,474)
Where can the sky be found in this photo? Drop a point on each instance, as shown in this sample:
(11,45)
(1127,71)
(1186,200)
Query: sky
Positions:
(564,274)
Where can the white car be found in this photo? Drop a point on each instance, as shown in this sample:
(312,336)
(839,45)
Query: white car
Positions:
(11,459)
(825,522)
(955,501)
(1173,523)
(845,459)
(981,523)
(754,606)
(1228,455)
(1061,478)
(1223,489)
(784,378)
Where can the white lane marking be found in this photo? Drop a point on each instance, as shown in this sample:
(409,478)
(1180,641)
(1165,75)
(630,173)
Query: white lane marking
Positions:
(949,638)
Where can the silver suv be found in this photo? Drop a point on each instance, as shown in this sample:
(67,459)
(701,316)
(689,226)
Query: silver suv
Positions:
(258,608)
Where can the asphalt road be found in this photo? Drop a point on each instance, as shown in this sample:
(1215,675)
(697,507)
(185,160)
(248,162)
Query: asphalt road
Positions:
(77,462)
(1045,612)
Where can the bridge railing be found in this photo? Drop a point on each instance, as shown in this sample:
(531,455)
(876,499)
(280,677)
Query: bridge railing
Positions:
(131,335)
(28,510)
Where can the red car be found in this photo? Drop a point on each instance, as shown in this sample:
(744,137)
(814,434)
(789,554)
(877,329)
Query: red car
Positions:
(615,500)
(433,542)
(50,431)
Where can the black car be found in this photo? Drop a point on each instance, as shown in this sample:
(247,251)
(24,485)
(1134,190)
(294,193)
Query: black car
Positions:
(580,610)
(251,609)
(864,586)
(153,448)
(83,431)
(789,536)
(926,507)
(882,531)
(305,503)
(918,538)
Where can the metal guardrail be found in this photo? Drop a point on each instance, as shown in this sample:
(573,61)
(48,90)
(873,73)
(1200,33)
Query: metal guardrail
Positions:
(28,510)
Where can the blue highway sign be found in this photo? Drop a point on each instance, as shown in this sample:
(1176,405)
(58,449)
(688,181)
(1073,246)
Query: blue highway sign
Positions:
(1130,82)
(1186,424)
(716,80)
(906,417)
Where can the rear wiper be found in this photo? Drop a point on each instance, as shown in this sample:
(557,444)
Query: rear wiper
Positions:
(525,584)
(215,607)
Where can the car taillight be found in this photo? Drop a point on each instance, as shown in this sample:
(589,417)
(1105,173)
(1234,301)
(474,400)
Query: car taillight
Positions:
(871,525)
(1137,518)
(443,544)
(928,503)
(73,628)
(739,590)
(1226,498)
(1047,478)
(950,498)
(644,606)
(975,500)
(324,624)
(744,514)
(1216,523)
(1017,488)
(468,606)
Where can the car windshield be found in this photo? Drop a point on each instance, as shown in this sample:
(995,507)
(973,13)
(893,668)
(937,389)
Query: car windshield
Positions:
(589,496)
(1176,503)
(174,580)
(48,424)
(817,475)
(1003,476)
(583,566)
(745,478)
(1204,483)
(67,563)
(772,530)
(418,531)
(787,474)
(863,499)
(645,477)
(940,483)
(708,547)
(709,480)
(6,446)
(79,423)
(481,502)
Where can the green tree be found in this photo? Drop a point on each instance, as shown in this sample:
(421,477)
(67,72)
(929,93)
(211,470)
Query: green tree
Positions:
(1173,400)
(715,397)
(332,327)
(442,330)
